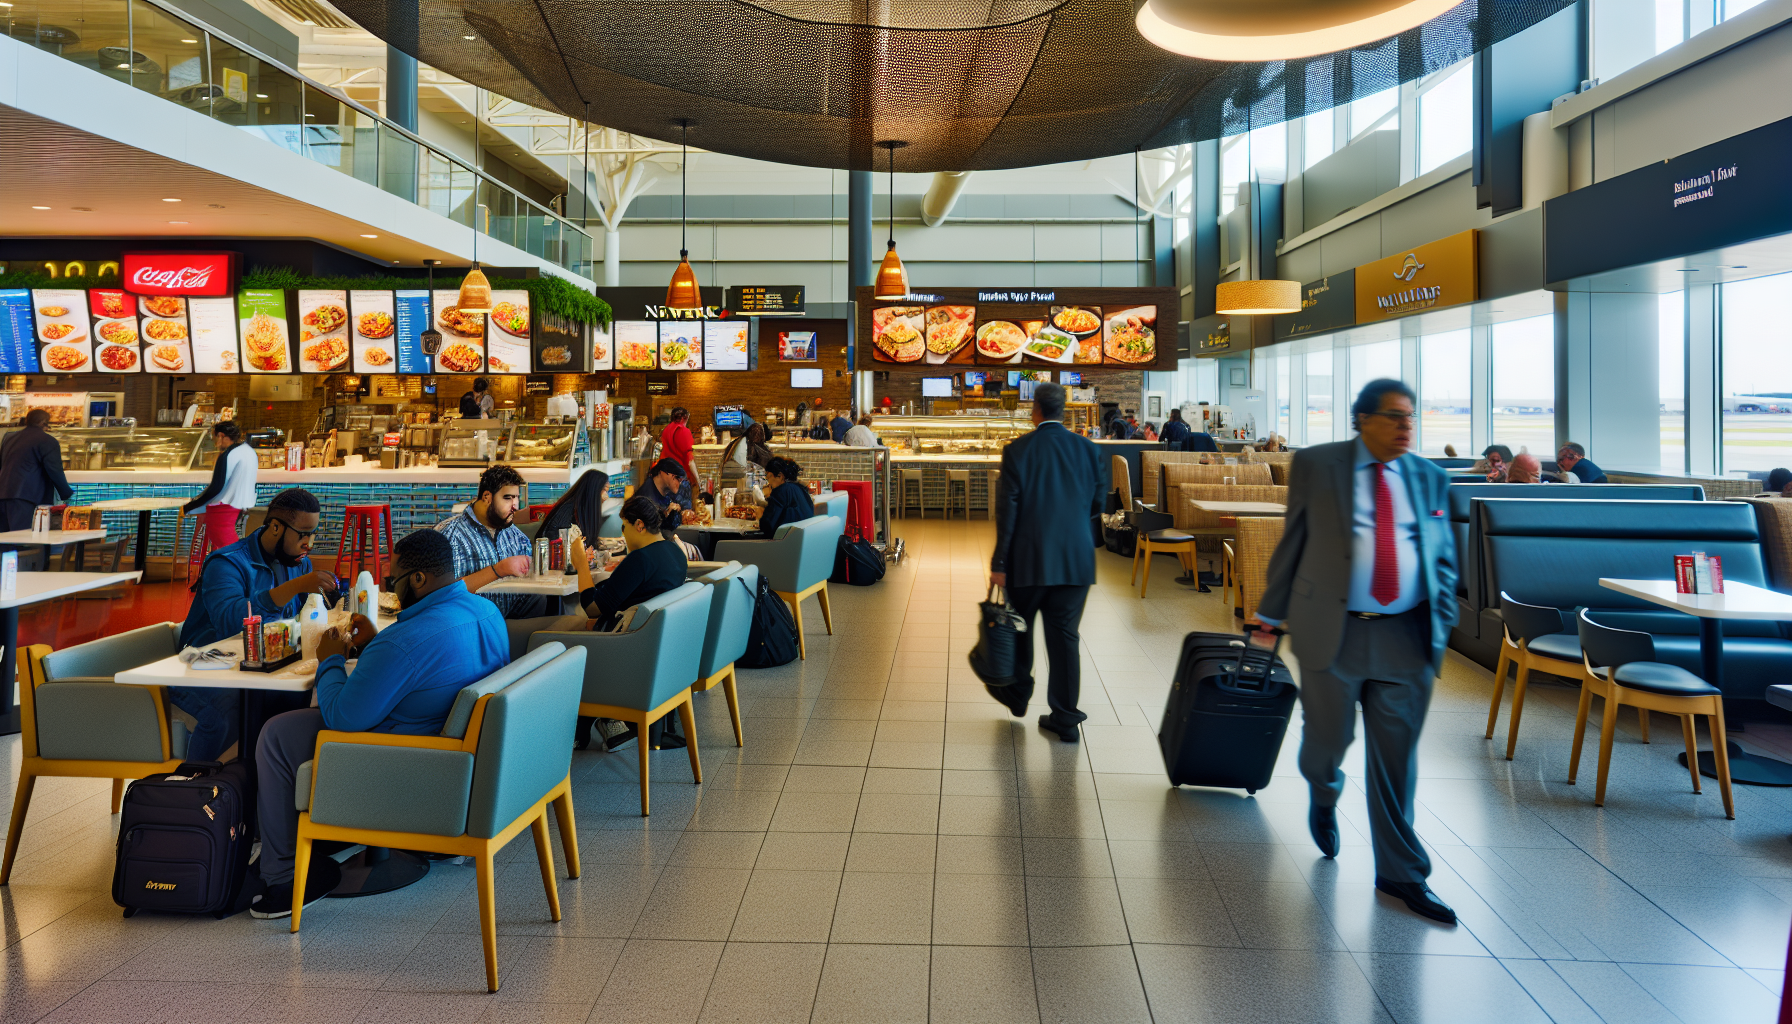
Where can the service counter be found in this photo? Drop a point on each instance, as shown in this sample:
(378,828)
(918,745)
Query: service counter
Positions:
(420,496)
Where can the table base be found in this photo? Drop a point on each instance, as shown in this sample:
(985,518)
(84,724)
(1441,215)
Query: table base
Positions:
(1745,768)
(377,869)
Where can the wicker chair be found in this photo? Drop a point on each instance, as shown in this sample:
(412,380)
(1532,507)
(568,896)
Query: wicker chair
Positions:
(1152,464)
(1256,541)
(1773,519)
(1192,519)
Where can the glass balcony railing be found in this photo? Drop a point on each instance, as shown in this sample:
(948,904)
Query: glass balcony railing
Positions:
(152,47)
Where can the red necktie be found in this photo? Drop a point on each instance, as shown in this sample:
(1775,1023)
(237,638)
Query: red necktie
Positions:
(1385,586)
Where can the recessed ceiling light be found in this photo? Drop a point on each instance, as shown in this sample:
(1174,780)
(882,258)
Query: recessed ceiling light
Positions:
(1741,266)
(370,236)
(261,95)
(124,67)
(170,200)
(189,40)
(177,222)
(469,37)
(40,207)
(308,21)
(1687,270)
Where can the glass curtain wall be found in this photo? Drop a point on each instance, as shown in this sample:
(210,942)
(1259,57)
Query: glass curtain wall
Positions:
(1524,385)
(1757,374)
(1319,396)
(1671,375)
(1444,395)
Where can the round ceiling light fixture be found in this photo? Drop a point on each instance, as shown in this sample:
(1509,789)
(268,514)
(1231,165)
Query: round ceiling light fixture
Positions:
(1257,298)
(1245,30)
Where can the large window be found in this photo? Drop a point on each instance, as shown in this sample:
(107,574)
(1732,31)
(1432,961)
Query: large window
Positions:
(1378,111)
(1444,393)
(1445,116)
(1319,396)
(1284,394)
(1671,382)
(1372,362)
(1524,385)
(1757,374)
(1319,136)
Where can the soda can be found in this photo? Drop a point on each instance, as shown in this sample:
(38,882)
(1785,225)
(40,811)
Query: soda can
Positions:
(541,556)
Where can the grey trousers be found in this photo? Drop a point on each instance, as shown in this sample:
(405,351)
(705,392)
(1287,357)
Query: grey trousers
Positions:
(1382,664)
(287,741)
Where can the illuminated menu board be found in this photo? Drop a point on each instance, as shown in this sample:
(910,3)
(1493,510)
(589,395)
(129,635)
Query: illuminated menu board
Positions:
(18,349)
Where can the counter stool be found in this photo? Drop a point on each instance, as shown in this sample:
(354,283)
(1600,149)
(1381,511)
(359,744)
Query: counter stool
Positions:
(359,545)
(991,478)
(903,478)
(962,478)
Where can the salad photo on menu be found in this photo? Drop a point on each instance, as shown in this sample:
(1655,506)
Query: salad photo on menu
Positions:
(507,335)
(681,345)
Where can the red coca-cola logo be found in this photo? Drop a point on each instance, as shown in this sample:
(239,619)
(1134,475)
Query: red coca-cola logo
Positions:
(179,273)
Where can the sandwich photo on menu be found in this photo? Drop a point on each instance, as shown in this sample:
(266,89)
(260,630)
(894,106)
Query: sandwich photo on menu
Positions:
(166,339)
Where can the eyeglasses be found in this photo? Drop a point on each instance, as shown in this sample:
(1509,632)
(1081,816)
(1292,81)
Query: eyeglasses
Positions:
(303,535)
(1398,419)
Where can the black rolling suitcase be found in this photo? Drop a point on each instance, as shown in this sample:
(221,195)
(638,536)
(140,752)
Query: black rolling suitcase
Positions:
(1227,713)
(183,841)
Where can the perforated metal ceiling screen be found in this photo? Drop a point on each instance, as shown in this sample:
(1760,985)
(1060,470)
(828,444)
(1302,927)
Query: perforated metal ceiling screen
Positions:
(969,85)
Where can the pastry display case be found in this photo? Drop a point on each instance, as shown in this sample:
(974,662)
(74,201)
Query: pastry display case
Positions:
(474,442)
(949,435)
(155,449)
(542,444)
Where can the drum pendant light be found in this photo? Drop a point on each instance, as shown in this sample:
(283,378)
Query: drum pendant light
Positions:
(1257,298)
(1231,31)
(683,292)
(892,276)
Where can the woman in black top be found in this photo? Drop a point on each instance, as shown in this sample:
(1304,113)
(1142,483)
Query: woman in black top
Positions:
(652,566)
(583,504)
(788,501)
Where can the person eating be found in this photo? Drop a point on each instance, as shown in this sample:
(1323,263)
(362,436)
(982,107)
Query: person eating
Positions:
(787,501)
(488,547)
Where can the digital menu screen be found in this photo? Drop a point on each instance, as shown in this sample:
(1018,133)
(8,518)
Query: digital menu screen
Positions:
(373,326)
(562,345)
(603,348)
(18,350)
(463,336)
(507,334)
(323,331)
(726,344)
(66,345)
(266,335)
(681,344)
(796,346)
(115,330)
(213,323)
(167,341)
(936,387)
(410,318)
(637,345)
(1016,327)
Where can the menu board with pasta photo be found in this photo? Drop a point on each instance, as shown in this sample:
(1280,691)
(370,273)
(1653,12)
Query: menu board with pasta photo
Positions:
(463,336)
(373,326)
(116,332)
(63,333)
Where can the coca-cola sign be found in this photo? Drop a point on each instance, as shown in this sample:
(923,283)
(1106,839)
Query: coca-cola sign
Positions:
(179,273)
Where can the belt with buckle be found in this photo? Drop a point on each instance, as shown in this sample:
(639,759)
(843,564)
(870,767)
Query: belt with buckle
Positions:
(1370,615)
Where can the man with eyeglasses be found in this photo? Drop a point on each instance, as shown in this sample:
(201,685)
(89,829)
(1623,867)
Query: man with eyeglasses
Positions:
(270,571)
(1365,577)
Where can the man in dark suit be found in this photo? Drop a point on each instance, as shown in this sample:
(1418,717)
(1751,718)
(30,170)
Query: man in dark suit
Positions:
(1365,577)
(1048,509)
(30,471)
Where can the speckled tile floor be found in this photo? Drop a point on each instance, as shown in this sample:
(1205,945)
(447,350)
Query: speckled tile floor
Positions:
(891,846)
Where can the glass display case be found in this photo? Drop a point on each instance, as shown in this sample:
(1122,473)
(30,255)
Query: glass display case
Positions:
(153,449)
(473,442)
(542,444)
(949,435)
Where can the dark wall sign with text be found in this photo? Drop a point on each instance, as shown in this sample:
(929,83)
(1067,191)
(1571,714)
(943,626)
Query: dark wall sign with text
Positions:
(1724,194)
(765,299)
(1081,328)
(1325,305)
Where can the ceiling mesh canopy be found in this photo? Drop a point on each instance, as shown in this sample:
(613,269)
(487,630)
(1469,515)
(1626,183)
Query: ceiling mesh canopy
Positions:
(967,84)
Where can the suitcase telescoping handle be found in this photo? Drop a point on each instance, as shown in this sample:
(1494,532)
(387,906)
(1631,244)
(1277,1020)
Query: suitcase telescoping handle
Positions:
(1269,654)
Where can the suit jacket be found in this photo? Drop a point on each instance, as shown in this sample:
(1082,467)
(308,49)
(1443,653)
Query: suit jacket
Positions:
(1308,583)
(1048,508)
(31,467)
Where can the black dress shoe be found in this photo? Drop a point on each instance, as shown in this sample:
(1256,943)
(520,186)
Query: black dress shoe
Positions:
(1418,898)
(1323,823)
(1068,734)
(1006,696)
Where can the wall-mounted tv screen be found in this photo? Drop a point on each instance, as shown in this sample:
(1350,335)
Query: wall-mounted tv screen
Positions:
(936,387)
(805,378)
(974,378)
(1070,378)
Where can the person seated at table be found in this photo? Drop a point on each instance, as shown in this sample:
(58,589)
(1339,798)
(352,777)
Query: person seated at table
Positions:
(268,571)
(582,505)
(1494,460)
(861,435)
(488,548)
(669,489)
(406,680)
(1525,469)
(743,462)
(652,566)
(1777,481)
(787,501)
(1175,430)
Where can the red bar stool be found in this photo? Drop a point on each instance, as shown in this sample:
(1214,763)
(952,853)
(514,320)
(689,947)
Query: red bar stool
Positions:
(360,542)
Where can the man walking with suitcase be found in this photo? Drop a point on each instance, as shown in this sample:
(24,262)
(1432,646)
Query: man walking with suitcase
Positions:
(1365,576)
(1048,524)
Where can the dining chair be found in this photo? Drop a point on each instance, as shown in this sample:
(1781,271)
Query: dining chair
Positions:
(1533,637)
(733,589)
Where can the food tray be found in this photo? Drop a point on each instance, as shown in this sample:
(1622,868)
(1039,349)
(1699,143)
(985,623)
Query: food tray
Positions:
(270,666)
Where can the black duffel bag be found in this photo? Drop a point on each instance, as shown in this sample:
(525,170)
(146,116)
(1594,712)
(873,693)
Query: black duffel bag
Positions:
(857,563)
(1000,632)
(771,640)
(183,841)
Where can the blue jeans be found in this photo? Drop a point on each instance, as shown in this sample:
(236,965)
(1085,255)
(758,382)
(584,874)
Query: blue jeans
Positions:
(216,711)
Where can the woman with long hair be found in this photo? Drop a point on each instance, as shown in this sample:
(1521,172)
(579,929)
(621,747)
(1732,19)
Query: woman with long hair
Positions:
(583,504)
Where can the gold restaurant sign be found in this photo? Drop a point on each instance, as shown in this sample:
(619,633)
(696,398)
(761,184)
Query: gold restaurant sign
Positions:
(1440,273)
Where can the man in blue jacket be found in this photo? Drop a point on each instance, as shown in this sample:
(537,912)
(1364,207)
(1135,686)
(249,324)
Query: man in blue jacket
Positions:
(1365,577)
(269,570)
(405,682)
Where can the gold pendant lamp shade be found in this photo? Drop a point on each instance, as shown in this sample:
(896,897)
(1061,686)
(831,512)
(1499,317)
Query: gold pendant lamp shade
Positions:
(892,276)
(683,292)
(1232,31)
(1257,298)
(475,292)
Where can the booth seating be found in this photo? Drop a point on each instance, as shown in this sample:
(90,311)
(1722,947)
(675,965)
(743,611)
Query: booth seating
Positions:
(77,723)
(1151,473)
(1553,553)
(1478,630)
(1278,463)
(643,672)
(733,589)
(1247,562)
(797,562)
(1773,519)
(502,757)
(1188,517)
(1178,475)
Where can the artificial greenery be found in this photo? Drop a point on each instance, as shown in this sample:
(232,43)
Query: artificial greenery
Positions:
(554,295)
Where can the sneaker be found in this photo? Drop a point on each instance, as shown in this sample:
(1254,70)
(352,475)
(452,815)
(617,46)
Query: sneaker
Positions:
(276,900)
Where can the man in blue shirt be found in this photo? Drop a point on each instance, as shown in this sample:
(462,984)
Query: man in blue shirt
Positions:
(1365,575)
(488,548)
(1573,459)
(405,682)
(269,570)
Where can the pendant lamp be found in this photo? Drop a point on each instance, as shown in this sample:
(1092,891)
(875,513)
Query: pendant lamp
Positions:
(683,292)
(475,291)
(1231,31)
(892,276)
(1257,298)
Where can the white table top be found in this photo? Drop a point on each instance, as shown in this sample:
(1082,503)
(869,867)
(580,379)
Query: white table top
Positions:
(1242,508)
(34,587)
(137,504)
(171,671)
(1738,601)
(551,584)
(51,536)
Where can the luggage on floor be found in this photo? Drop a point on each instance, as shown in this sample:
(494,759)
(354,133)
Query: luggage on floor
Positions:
(1000,632)
(183,841)
(771,639)
(857,563)
(1121,540)
(1227,713)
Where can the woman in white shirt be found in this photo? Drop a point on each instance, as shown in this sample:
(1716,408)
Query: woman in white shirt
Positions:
(232,488)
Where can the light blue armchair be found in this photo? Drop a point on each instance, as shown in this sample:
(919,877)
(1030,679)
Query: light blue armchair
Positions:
(796,562)
(732,592)
(78,723)
(643,673)
(504,754)
(833,503)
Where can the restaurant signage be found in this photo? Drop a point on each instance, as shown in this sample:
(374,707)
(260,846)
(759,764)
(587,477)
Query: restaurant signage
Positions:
(179,273)
(767,299)
(1440,273)
(1325,305)
(1084,328)
(1211,335)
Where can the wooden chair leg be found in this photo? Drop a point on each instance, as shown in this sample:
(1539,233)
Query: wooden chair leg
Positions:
(117,794)
(688,718)
(1145,582)
(1499,687)
(301,873)
(733,694)
(1688,733)
(641,744)
(827,613)
(1608,725)
(796,614)
(488,913)
(1642,722)
(569,837)
(21,801)
(1580,730)
(1720,753)
(1518,688)
(544,852)
(1138,544)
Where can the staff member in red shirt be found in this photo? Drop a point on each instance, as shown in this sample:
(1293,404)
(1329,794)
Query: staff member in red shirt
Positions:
(676,444)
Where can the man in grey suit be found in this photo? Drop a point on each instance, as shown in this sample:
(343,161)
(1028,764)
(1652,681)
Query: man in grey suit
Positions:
(1365,577)
(1048,524)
